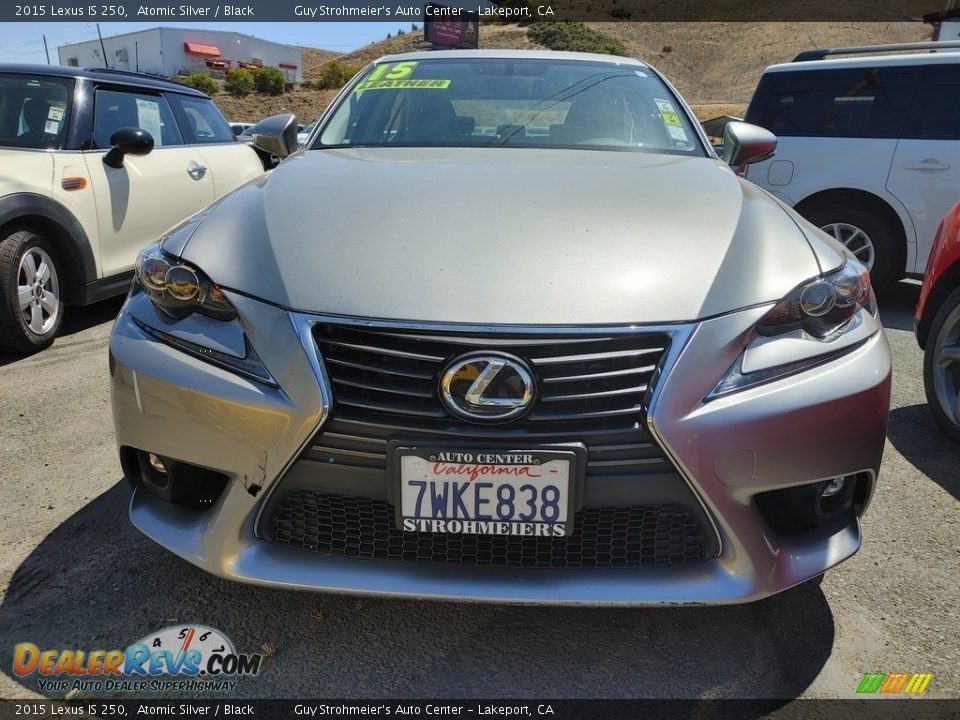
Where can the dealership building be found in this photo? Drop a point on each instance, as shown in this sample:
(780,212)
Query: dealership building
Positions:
(172,51)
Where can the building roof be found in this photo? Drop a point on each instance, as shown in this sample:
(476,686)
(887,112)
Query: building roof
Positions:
(179,30)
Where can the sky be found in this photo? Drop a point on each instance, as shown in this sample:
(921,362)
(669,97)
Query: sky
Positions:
(23,41)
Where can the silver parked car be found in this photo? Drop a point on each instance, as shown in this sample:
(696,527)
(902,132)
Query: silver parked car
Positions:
(507,330)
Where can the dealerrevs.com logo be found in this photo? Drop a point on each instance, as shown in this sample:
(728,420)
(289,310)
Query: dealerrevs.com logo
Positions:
(177,658)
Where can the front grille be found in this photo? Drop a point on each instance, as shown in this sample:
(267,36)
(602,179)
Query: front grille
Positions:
(591,389)
(362,528)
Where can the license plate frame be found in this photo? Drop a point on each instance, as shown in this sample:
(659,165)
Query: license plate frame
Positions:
(574,453)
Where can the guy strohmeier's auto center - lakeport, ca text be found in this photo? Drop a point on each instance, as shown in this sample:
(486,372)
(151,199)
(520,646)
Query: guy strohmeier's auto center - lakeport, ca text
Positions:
(214,11)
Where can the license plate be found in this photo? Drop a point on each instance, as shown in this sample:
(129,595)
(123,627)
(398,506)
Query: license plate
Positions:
(485,492)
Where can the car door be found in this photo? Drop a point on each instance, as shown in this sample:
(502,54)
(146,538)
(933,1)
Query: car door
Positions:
(229,163)
(149,193)
(925,172)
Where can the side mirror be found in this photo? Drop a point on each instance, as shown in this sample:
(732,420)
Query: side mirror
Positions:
(744,143)
(127,140)
(277,135)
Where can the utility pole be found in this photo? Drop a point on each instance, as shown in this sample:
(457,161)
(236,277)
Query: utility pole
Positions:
(45,49)
(105,63)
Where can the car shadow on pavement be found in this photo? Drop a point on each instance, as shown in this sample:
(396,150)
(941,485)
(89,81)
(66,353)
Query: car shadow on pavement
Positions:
(914,432)
(897,304)
(77,319)
(96,583)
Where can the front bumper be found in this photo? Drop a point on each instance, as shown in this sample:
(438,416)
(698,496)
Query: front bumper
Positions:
(826,422)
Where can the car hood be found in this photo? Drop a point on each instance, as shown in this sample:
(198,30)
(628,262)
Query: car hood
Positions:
(503,236)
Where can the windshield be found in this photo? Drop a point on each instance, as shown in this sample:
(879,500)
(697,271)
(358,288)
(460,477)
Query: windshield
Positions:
(472,102)
(33,111)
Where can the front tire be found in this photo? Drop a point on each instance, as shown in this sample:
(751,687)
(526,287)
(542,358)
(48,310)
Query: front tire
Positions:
(866,236)
(31,303)
(941,366)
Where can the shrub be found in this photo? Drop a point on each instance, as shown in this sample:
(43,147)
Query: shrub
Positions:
(620,13)
(269,81)
(202,82)
(574,36)
(239,82)
(335,75)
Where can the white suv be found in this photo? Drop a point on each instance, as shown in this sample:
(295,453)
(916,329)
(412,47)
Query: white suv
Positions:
(868,147)
(94,165)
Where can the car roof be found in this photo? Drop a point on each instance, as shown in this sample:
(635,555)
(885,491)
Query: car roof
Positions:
(120,77)
(945,57)
(512,55)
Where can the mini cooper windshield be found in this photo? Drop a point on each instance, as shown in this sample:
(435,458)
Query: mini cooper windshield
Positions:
(473,102)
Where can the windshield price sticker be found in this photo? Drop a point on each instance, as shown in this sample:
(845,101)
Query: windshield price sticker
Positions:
(402,85)
(396,76)
(671,120)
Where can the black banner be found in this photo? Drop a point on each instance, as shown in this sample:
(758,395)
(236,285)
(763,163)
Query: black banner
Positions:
(884,708)
(199,11)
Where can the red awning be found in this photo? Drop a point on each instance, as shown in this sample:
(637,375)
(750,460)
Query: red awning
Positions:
(288,66)
(198,49)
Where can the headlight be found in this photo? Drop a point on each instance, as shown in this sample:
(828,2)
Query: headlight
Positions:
(821,307)
(179,289)
(818,318)
(176,291)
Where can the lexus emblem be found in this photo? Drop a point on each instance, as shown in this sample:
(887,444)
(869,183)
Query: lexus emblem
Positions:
(487,386)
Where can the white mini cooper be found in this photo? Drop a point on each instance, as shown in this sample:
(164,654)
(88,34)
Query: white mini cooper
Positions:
(95,164)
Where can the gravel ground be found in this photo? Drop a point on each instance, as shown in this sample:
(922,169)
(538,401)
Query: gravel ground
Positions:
(75,574)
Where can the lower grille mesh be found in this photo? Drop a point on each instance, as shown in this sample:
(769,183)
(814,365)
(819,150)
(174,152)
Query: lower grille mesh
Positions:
(603,537)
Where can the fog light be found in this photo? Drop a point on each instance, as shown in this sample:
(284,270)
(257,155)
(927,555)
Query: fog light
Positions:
(834,487)
(809,506)
(156,463)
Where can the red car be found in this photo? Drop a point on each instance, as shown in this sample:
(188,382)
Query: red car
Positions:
(937,325)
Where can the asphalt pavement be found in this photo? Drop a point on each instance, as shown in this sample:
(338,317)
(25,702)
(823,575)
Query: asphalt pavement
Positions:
(75,574)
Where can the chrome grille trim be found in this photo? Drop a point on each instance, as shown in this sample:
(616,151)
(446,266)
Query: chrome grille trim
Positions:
(391,371)
(396,353)
(602,375)
(385,387)
(604,393)
(595,356)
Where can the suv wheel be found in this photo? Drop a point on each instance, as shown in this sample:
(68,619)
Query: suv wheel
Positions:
(31,307)
(941,366)
(867,237)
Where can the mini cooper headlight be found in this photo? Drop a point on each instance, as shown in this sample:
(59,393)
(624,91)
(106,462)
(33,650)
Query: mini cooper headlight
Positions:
(179,289)
(821,307)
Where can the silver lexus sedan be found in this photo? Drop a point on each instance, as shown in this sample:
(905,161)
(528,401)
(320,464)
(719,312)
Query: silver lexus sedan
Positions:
(505,329)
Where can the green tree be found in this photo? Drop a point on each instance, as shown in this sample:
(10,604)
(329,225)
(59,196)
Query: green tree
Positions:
(202,82)
(575,36)
(239,82)
(335,75)
(269,81)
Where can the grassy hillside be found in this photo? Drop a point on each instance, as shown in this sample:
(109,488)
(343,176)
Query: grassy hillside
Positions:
(721,62)
(313,58)
(714,65)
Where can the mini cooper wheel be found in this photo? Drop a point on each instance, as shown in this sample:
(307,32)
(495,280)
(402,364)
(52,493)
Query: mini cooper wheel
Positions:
(941,366)
(31,304)
(866,236)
